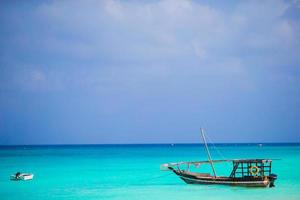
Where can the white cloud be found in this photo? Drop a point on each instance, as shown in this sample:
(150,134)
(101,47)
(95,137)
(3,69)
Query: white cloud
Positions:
(135,36)
(37,75)
(166,27)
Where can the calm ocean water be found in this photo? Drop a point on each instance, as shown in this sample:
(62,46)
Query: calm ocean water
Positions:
(132,172)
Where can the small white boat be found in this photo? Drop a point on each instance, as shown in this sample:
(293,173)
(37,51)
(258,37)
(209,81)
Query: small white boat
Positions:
(21,176)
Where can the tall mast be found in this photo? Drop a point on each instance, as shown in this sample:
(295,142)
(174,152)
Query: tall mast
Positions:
(208,153)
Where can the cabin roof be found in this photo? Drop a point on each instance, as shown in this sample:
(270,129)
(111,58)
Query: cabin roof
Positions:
(252,160)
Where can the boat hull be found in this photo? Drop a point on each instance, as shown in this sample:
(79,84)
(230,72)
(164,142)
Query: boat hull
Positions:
(249,183)
(22,177)
(246,182)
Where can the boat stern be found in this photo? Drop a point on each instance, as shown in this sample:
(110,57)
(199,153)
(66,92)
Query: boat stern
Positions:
(272,178)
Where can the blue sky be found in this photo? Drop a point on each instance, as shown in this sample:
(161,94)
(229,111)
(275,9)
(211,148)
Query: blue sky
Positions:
(149,71)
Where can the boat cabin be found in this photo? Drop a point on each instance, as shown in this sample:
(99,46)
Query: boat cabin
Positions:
(251,167)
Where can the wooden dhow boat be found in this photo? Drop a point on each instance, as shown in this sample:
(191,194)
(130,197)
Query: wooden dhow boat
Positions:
(245,172)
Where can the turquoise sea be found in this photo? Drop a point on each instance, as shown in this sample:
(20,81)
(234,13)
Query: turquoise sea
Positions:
(132,172)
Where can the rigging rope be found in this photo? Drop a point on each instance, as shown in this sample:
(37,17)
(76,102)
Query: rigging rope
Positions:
(139,182)
(217,150)
(157,177)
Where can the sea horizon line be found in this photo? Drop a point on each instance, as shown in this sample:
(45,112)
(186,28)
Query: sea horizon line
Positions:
(154,144)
